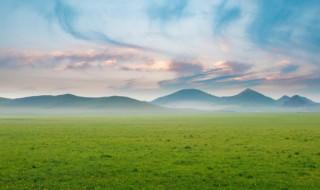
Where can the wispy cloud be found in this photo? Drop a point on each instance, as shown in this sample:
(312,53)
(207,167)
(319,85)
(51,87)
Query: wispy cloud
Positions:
(290,68)
(68,17)
(81,59)
(224,16)
(232,66)
(222,71)
(232,75)
(183,68)
(167,10)
(286,23)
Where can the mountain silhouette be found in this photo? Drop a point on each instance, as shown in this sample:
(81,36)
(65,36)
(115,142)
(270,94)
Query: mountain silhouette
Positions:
(186,95)
(249,97)
(247,100)
(298,101)
(283,99)
(72,101)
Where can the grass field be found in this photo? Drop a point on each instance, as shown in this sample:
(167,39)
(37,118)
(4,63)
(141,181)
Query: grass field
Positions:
(223,151)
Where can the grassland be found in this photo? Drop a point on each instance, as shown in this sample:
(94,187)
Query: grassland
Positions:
(222,151)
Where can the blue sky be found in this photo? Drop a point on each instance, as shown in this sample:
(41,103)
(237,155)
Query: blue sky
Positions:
(146,48)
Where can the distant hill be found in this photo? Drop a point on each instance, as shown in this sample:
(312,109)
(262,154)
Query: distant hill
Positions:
(247,100)
(189,99)
(296,101)
(249,97)
(283,99)
(186,95)
(196,97)
(69,101)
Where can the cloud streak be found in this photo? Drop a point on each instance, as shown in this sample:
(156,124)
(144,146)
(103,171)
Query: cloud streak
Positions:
(167,10)
(223,71)
(82,59)
(224,16)
(236,75)
(286,23)
(67,16)
(183,68)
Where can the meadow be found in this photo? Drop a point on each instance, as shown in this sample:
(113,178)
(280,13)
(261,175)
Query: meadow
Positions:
(217,151)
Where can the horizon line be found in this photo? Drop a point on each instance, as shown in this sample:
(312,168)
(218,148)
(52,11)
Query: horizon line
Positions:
(125,96)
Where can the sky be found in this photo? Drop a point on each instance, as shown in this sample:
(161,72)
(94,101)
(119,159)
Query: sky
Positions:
(148,48)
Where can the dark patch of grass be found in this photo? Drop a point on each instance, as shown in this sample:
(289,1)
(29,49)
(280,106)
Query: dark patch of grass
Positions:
(105,156)
(187,147)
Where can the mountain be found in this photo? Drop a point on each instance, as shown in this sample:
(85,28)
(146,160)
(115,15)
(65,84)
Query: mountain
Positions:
(283,99)
(297,101)
(186,95)
(249,97)
(196,99)
(247,100)
(187,98)
(76,102)
(47,101)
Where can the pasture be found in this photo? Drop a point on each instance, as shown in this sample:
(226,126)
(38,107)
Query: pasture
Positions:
(218,151)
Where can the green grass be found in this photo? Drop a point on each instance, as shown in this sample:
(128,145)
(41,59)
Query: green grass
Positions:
(223,151)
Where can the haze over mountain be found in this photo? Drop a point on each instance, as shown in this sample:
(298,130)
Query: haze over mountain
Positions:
(247,100)
(71,103)
(248,97)
(298,101)
(186,95)
(283,99)
(69,100)
(187,98)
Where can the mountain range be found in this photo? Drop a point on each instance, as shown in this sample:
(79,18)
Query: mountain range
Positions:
(74,104)
(69,100)
(247,100)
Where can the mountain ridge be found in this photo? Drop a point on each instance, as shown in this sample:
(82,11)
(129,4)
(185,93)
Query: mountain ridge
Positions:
(298,100)
(247,97)
(73,101)
(184,98)
(185,95)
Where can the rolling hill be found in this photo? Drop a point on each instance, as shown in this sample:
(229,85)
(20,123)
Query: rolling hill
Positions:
(77,103)
(69,100)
